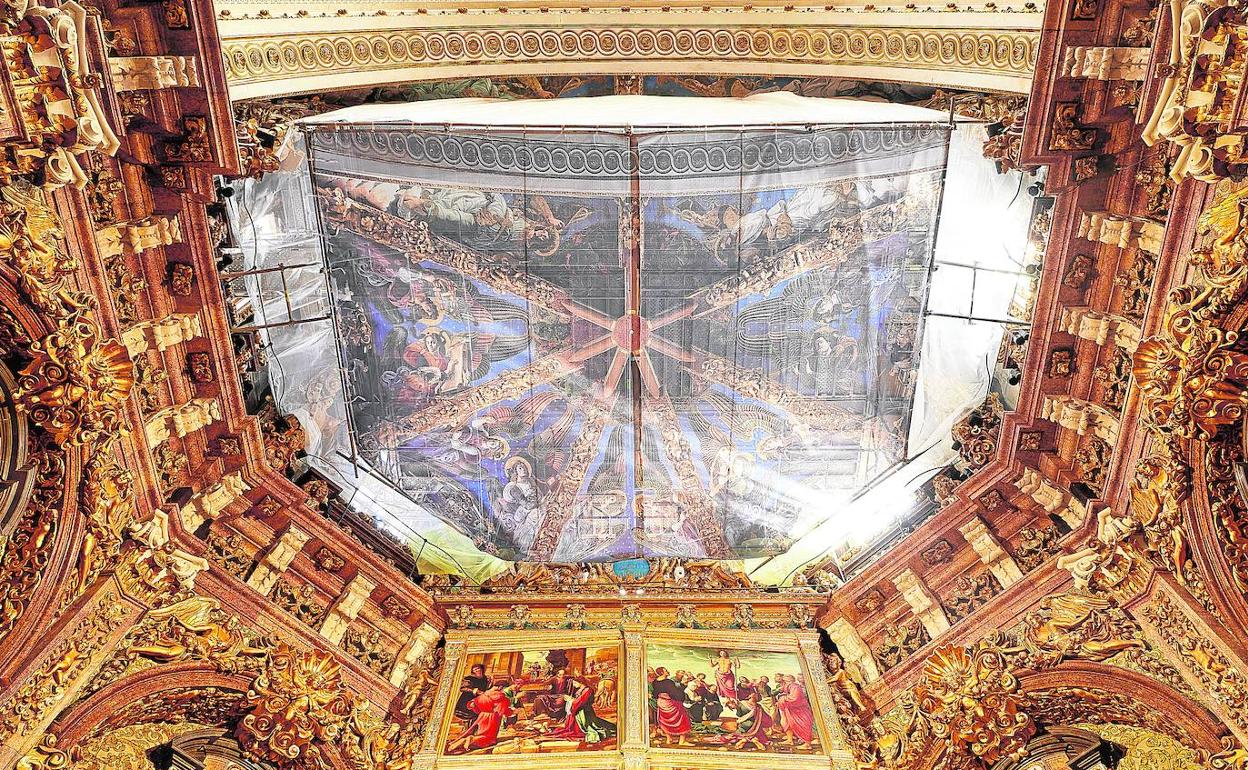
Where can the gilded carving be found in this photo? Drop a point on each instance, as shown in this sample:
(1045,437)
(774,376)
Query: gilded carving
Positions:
(60,670)
(900,641)
(196,628)
(369,648)
(29,546)
(284,439)
(967,702)
(46,756)
(1013,53)
(1075,626)
(1225,683)
(297,708)
(75,384)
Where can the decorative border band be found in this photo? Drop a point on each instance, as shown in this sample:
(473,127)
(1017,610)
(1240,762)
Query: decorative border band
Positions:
(992,52)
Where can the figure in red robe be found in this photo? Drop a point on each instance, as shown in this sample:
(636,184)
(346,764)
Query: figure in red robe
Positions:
(796,716)
(753,722)
(582,722)
(493,708)
(669,699)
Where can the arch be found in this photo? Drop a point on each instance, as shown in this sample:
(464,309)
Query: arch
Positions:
(1208,543)
(30,588)
(125,701)
(1070,745)
(114,703)
(1081,691)
(267,56)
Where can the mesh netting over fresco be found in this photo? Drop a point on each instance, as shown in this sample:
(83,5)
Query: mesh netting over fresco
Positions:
(596,344)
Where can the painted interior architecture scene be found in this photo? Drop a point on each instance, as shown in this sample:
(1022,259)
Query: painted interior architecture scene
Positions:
(602,385)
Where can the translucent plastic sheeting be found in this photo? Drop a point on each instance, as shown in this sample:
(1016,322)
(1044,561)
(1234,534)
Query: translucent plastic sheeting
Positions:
(711,434)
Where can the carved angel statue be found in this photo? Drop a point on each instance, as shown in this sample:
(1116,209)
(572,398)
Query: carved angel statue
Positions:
(199,631)
(419,684)
(841,682)
(1079,626)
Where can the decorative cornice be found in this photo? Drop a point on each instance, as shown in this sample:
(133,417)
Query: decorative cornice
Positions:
(986,56)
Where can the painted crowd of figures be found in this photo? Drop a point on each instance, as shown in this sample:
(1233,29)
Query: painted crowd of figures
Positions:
(722,708)
(533,712)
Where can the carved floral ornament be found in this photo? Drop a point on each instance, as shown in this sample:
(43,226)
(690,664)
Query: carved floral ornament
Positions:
(1193,383)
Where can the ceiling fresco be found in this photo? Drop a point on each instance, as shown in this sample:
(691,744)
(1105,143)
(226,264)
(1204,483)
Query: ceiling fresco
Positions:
(603,344)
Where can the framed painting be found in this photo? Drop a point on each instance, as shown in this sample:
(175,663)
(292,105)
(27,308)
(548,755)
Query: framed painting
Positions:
(743,692)
(535,694)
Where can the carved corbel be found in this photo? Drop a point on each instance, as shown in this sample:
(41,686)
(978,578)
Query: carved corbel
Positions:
(347,608)
(1053,500)
(135,73)
(271,566)
(181,420)
(1100,327)
(1123,232)
(922,602)
(212,502)
(985,543)
(162,334)
(1105,62)
(135,238)
(418,648)
(1082,417)
(854,650)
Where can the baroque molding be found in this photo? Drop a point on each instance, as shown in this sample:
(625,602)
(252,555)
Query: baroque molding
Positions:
(1009,54)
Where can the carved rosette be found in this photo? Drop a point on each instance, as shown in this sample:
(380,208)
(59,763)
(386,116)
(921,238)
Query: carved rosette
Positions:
(975,436)
(76,384)
(296,708)
(971,700)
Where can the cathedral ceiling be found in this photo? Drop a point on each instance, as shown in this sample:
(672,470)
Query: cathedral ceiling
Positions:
(180,586)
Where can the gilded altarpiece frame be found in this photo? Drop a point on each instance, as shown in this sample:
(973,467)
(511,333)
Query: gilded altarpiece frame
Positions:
(632,748)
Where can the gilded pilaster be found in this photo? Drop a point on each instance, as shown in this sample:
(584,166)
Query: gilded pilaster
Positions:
(84,639)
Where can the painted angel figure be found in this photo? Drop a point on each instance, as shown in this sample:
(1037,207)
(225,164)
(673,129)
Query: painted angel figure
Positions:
(476,218)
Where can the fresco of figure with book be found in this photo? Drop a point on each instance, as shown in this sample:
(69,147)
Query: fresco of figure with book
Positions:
(725,699)
(536,702)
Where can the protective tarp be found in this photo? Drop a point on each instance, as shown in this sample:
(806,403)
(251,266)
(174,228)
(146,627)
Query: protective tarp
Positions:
(578,343)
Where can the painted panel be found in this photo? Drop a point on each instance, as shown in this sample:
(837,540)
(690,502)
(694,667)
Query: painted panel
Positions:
(724,699)
(535,700)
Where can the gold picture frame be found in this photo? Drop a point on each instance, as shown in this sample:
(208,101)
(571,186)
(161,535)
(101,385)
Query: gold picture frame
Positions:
(633,750)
